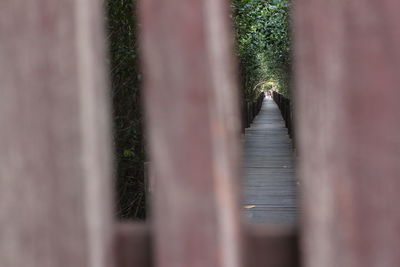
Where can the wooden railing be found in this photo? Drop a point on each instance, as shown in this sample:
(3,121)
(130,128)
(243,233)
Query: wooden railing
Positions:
(250,109)
(286,108)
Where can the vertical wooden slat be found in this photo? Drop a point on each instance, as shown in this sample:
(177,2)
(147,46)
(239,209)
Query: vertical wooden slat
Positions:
(55,207)
(348,59)
(194,127)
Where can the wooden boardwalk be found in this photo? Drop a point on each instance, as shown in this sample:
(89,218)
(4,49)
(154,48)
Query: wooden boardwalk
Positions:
(269,169)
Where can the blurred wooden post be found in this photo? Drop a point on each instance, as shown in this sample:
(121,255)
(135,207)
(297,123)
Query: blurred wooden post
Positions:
(271,246)
(55,204)
(348,111)
(194,127)
(133,245)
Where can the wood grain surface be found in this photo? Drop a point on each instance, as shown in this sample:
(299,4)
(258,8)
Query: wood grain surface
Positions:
(133,245)
(193,123)
(55,177)
(269,170)
(347,91)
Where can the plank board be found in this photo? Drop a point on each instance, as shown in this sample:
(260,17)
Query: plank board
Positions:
(194,128)
(347,91)
(269,169)
(55,175)
(271,246)
(133,245)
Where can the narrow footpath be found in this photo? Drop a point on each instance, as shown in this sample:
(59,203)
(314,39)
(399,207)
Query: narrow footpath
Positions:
(269,169)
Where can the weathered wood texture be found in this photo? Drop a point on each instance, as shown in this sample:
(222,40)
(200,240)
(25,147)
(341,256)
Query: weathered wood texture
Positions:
(133,245)
(194,126)
(347,64)
(271,246)
(264,245)
(269,169)
(54,162)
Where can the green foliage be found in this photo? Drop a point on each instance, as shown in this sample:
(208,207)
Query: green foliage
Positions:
(263,44)
(127,117)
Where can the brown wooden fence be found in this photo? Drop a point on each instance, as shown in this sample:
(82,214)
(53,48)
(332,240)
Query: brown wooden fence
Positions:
(55,168)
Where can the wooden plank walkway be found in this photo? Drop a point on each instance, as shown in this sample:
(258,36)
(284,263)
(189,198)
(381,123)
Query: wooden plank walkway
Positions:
(269,169)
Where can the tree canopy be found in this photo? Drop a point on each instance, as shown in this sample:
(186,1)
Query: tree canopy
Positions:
(262,44)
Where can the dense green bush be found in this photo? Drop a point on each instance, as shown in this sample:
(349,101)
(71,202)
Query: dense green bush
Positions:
(127,116)
(263,44)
